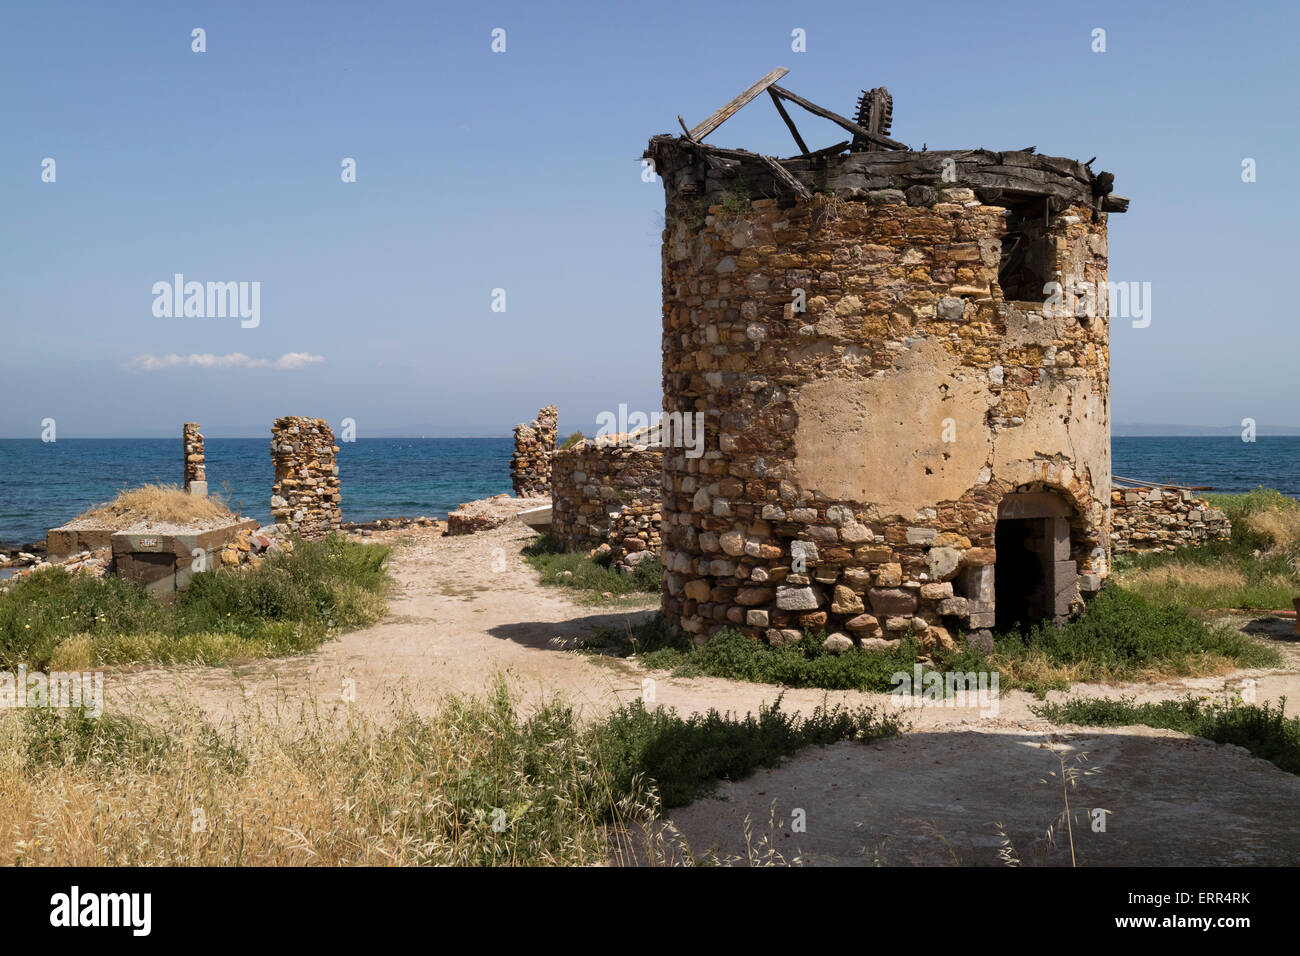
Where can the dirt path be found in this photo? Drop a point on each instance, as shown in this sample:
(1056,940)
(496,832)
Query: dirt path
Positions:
(466,608)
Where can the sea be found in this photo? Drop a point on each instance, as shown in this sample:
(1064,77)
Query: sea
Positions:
(44,484)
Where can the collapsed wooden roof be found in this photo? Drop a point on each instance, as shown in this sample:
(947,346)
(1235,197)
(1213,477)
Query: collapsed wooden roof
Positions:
(877,161)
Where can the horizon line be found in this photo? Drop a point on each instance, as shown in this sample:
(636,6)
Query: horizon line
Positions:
(238,437)
(1228,432)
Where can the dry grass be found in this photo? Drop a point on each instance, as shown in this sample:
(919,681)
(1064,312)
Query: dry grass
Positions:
(1257,568)
(84,652)
(1280,526)
(322,788)
(1033,669)
(1205,586)
(168,504)
(479,781)
(1209,577)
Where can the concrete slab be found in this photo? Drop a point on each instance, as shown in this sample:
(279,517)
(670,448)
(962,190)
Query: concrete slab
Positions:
(165,563)
(945,798)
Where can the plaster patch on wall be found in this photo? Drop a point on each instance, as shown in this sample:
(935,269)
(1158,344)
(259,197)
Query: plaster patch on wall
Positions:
(1067,417)
(880,441)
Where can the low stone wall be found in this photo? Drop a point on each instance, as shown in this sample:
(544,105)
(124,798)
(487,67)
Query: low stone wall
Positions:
(530,468)
(605,495)
(305,496)
(196,473)
(171,562)
(1162,519)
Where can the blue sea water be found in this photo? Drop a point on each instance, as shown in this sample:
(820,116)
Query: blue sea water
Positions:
(44,484)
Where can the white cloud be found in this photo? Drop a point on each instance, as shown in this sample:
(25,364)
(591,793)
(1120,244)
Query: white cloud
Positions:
(289,361)
(298,360)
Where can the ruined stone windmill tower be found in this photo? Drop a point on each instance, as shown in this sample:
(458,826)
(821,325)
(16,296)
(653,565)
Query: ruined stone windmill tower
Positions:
(905,432)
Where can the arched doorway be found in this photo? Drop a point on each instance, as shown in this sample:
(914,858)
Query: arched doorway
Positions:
(1033,578)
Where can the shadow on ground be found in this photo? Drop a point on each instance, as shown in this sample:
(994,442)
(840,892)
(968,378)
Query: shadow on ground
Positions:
(1273,628)
(561,635)
(956,798)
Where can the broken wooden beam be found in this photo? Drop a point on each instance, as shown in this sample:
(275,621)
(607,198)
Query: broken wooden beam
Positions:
(722,115)
(836,118)
(825,151)
(782,174)
(776,101)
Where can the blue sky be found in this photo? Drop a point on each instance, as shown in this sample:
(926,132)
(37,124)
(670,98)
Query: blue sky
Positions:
(521,171)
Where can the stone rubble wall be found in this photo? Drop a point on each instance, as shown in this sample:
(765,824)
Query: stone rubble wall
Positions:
(471,517)
(251,547)
(857,452)
(305,497)
(605,497)
(1163,519)
(392,524)
(634,534)
(530,468)
(95,562)
(196,474)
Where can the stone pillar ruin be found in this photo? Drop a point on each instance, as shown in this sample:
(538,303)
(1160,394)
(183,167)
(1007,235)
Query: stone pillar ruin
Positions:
(305,496)
(196,475)
(530,468)
(896,403)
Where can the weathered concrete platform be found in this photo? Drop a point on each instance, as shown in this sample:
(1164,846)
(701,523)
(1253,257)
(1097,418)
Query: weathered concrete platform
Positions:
(165,563)
(62,542)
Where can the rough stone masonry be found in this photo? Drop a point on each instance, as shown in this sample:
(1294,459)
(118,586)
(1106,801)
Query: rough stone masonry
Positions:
(1163,519)
(196,475)
(892,409)
(305,496)
(605,496)
(530,468)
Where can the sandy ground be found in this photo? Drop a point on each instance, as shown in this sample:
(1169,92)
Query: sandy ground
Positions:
(466,608)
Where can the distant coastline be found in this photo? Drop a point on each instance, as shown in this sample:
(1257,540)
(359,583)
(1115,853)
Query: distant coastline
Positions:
(1126,430)
(1199,431)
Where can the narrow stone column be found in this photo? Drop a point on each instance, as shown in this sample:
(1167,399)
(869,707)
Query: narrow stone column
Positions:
(305,496)
(530,469)
(196,475)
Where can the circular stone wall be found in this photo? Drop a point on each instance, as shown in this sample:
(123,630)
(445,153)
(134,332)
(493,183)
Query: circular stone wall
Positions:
(870,395)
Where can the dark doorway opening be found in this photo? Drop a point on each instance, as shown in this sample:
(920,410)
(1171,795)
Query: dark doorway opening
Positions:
(1033,577)
(1018,574)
